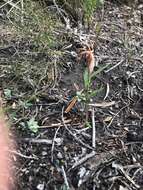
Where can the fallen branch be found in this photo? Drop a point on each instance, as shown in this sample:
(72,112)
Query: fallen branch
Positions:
(120,168)
(120,62)
(11,4)
(93,130)
(65,178)
(84,159)
(22,155)
(103,104)
(44,141)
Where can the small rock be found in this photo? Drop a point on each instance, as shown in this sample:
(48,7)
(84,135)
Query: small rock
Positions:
(59,155)
(123,188)
(44,153)
(40,186)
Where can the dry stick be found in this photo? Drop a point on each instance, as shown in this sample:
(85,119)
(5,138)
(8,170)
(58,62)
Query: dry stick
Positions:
(103,104)
(93,129)
(10,3)
(107,91)
(65,178)
(22,155)
(55,125)
(136,172)
(22,11)
(6,2)
(88,156)
(43,141)
(60,12)
(84,159)
(53,143)
(75,137)
(78,140)
(120,168)
(64,174)
(115,116)
(120,62)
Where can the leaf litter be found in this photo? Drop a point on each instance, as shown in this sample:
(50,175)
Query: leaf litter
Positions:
(61,153)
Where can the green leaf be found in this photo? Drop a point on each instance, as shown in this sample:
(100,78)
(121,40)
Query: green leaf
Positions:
(100,69)
(81,96)
(95,92)
(13,116)
(98,28)
(86,78)
(64,187)
(7,93)
(87,124)
(33,125)
(25,104)
(78,93)
(100,2)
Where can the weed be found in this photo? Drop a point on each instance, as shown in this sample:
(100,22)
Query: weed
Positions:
(87,93)
(33,22)
(85,96)
(7,93)
(89,7)
(25,104)
(80,10)
(32,125)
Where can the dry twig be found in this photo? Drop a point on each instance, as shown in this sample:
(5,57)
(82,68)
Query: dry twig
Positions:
(93,129)
(120,168)
(84,159)
(44,141)
(110,69)
(22,155)
(53,143)
(65,177)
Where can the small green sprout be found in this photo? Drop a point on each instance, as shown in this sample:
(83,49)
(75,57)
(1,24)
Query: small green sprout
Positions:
(33,125)
(85,95)
(7,93)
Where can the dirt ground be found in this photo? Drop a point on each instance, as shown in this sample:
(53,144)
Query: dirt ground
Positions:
(61,154)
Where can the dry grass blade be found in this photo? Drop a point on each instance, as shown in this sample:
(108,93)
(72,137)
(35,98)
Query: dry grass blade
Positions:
(93,129)
(90,61)
(11,4)
(58,141)
(84,159)
(88,54)
(103,104)
(114,66)
(71,105)
(120,168)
